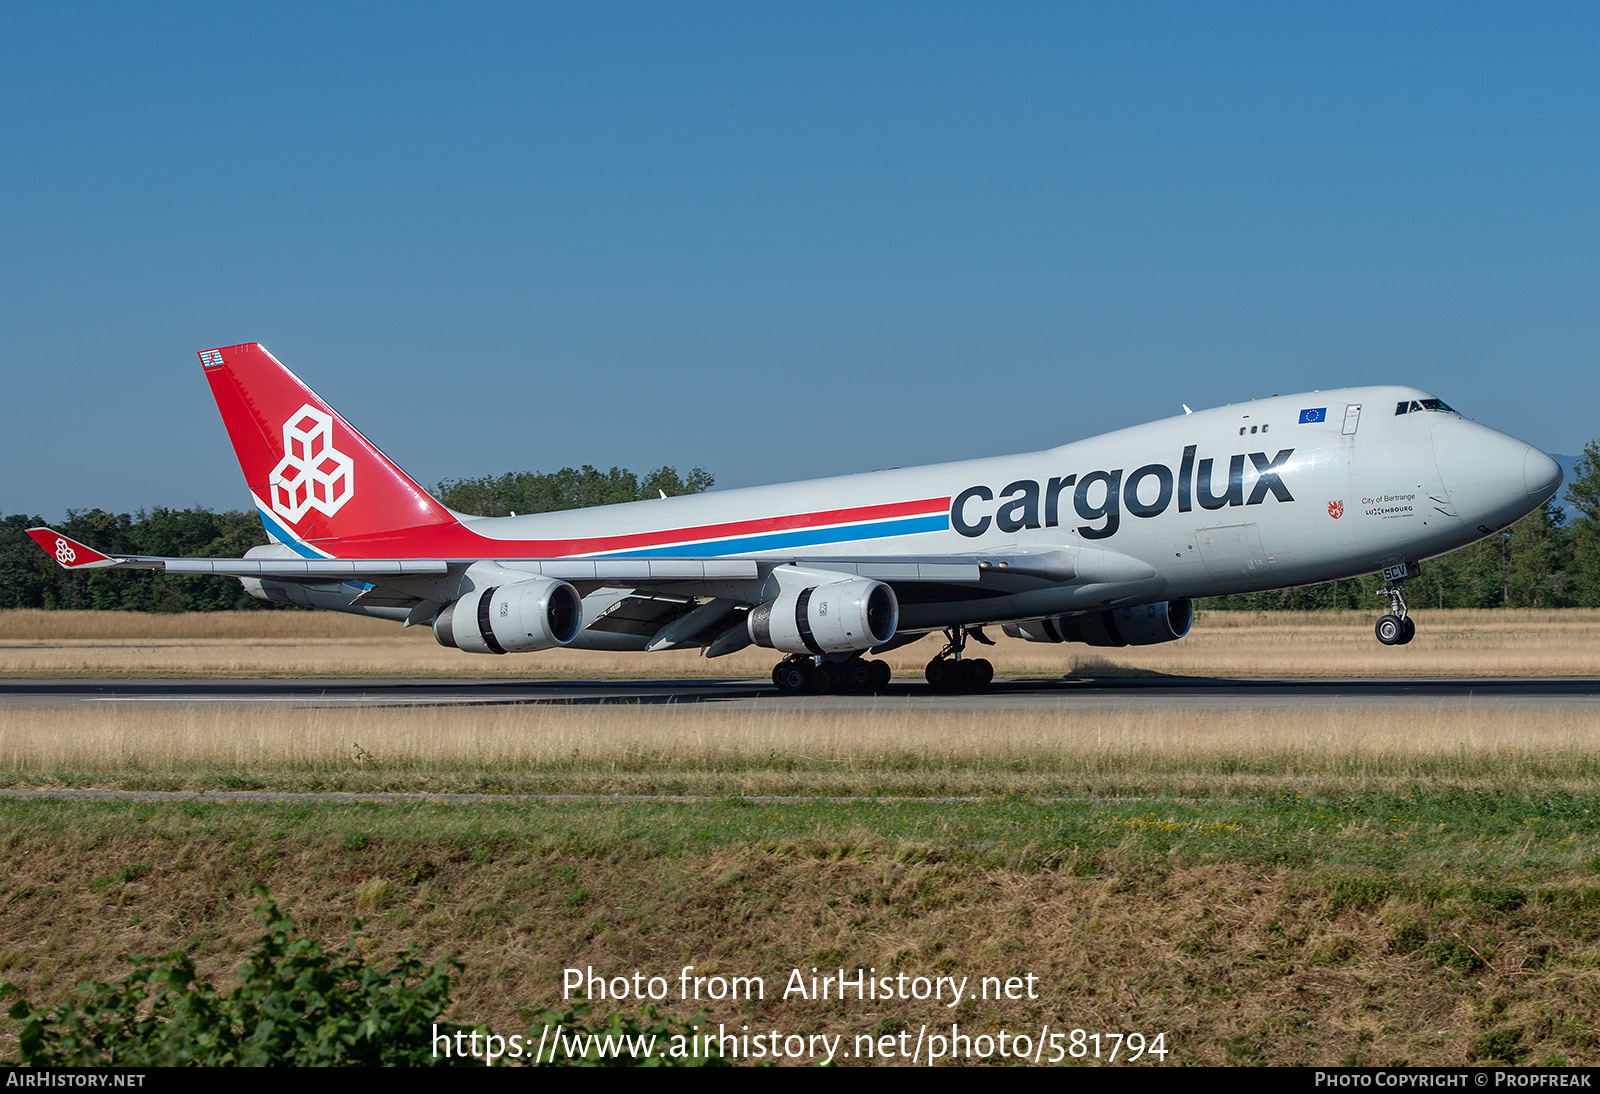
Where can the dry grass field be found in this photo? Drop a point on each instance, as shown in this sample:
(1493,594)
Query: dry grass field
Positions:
(1449,643)
(704,749)
(1316,886)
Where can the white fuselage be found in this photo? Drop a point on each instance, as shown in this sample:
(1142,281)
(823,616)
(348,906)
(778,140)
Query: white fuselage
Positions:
(1276,492)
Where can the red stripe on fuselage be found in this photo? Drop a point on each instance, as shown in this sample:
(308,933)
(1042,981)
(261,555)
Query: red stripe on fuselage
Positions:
(460,541)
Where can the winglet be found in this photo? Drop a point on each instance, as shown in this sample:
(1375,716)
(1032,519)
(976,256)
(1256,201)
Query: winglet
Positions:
(71,554)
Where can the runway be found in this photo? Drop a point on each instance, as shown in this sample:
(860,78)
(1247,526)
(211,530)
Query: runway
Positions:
(1076,693)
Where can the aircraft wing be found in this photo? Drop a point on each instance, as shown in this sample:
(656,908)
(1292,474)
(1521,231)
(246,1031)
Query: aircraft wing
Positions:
(590,572)
(1080,564)
(667,602)
(1083,564)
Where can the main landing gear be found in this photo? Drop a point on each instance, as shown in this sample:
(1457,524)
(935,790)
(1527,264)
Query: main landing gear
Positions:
(952,672)
(1397,628)
(800,673)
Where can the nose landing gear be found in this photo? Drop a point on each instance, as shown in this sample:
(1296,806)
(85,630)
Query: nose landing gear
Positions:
(1397,628)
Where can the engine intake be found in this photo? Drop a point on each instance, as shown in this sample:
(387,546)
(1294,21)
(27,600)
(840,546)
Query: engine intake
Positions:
(522,616)
(1142,625)
(838,617)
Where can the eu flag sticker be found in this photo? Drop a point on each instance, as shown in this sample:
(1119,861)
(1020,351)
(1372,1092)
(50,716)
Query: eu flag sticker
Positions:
(1316,414)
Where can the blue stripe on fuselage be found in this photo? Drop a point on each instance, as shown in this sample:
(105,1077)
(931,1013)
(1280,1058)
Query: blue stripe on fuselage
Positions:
(780,541)
(773,541)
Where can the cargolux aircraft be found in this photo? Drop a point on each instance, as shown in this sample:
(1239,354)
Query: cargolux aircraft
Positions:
(1104,541)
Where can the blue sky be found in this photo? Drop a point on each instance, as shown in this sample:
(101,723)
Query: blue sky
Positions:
(778,242)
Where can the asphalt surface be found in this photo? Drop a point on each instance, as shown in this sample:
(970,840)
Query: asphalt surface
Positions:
(1106,693)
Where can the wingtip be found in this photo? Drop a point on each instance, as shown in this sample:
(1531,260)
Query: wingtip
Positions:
(68,552)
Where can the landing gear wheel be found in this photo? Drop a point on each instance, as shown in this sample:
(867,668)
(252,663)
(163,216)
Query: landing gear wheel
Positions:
(860,673)
(792,677)
(952,672)
(829,678)
(1391,630)
(880,676)
(1396,628)
(966,675)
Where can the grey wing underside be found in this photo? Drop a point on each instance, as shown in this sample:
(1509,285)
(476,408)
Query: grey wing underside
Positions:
(648,603)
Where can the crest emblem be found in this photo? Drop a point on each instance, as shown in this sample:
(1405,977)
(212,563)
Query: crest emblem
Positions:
(1336,509)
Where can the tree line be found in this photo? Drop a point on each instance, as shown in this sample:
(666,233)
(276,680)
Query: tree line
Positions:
(29,578)
(1542,561)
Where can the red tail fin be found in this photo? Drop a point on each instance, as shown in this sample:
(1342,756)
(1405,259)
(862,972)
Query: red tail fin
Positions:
(312,474)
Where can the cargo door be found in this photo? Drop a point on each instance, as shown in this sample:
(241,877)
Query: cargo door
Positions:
(1233,554)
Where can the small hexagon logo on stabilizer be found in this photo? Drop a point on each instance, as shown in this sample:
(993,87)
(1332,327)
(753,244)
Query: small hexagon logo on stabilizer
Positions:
(312,474)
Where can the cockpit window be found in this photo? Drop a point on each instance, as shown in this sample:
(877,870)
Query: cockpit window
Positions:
(1418,405)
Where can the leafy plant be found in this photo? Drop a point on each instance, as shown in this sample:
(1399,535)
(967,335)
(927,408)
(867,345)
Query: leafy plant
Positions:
(295,1004)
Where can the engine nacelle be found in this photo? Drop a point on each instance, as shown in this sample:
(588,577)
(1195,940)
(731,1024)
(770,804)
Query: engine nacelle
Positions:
(537,614)
(838,617)
(1143,625)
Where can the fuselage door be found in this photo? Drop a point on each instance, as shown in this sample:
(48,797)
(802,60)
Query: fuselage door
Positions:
(1352,418)
(1233,555)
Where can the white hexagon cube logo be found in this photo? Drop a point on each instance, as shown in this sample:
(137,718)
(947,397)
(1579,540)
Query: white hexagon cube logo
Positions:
(312,474)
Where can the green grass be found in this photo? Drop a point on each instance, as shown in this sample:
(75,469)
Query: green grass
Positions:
(1131,773)
(1416,833)
(1433,925)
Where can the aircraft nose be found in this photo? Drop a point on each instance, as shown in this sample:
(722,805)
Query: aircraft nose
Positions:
(1541,475)
(1492,479)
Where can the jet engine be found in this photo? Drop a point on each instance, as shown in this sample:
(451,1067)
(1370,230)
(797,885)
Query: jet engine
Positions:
(1143,625)
(536,614)
(839,617)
